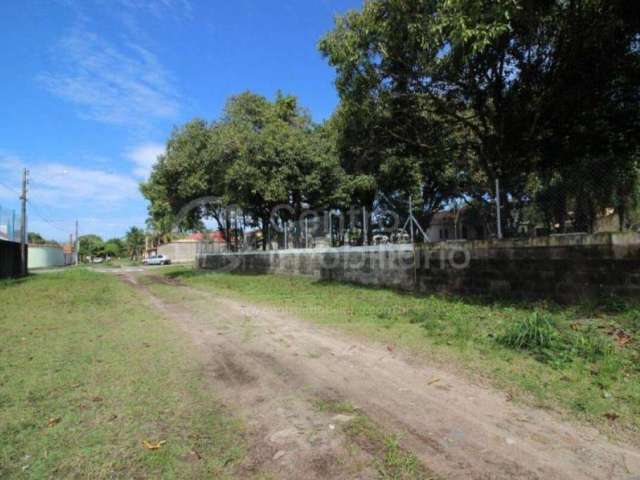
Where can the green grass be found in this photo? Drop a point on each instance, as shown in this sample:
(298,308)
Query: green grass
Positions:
(565,358)
(88,372)
(391,461)
(118,263)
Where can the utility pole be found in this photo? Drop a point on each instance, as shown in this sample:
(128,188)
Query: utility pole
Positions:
(77,245)
(499,219)
(23,228)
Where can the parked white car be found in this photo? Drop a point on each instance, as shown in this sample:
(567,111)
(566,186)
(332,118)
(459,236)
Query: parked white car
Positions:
(157,260)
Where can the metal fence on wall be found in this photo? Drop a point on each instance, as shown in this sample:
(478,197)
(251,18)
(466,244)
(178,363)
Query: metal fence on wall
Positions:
(324,229)
(10,225)
(403,222)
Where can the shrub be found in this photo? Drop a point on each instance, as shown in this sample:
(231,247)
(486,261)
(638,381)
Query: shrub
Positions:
(536,333)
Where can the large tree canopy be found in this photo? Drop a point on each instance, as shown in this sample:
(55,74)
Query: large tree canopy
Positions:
(439,101)
(458,93)
(258,155)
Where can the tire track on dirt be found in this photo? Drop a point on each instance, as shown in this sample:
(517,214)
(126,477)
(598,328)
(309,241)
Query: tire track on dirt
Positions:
(272,365)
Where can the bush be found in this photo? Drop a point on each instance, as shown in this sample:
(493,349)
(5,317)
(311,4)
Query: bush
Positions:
(536,333)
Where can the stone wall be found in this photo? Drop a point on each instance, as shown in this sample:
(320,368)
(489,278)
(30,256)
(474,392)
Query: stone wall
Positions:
(183,251)
(563,267)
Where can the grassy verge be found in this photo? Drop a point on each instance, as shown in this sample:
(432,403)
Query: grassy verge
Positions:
(94,384)
(582,360)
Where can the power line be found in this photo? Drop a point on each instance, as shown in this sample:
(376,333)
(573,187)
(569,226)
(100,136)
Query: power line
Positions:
(10,188)
(49,222)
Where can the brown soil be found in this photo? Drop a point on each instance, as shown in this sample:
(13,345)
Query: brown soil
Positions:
(271,368)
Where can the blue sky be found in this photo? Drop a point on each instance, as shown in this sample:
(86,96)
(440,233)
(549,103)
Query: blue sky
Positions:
(91,89)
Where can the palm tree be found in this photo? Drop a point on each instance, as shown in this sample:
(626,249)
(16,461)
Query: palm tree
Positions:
(134,240)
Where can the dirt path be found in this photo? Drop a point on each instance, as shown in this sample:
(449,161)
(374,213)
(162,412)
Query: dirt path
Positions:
(270,367)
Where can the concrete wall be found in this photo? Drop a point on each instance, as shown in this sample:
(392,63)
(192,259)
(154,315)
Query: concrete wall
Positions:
(46,256)
(564,268)
(180,252)
(10,261)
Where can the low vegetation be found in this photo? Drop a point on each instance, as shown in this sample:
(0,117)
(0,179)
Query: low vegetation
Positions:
(581,359)
(94,384)
(392,462)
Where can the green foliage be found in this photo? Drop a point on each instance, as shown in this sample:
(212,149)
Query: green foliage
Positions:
(258,155)
(114,248)
(540,95)
(535,332)
(134,242)
(91,246)
(36,239)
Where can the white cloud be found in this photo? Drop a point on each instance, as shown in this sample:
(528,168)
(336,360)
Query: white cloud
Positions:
(123,85)
(56,185)
(63,185)
(105,201)
(160,7)
(144,157)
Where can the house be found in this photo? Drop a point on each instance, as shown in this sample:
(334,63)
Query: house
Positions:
(607,221)
(216,237)
(456,224)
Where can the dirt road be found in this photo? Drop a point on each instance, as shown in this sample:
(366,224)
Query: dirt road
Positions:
(272,369)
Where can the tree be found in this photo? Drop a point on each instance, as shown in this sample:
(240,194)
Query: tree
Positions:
(183,173)
(280,158)
(258,155)
(135,242)
(114,248)
(91,246)
(36,239)
(504,89)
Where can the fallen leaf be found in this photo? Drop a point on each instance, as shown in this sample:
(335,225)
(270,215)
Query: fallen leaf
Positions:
(97,399)
(611,416)
(54,421)
(153,446)
(435,380)
(622,338)
(391,348)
